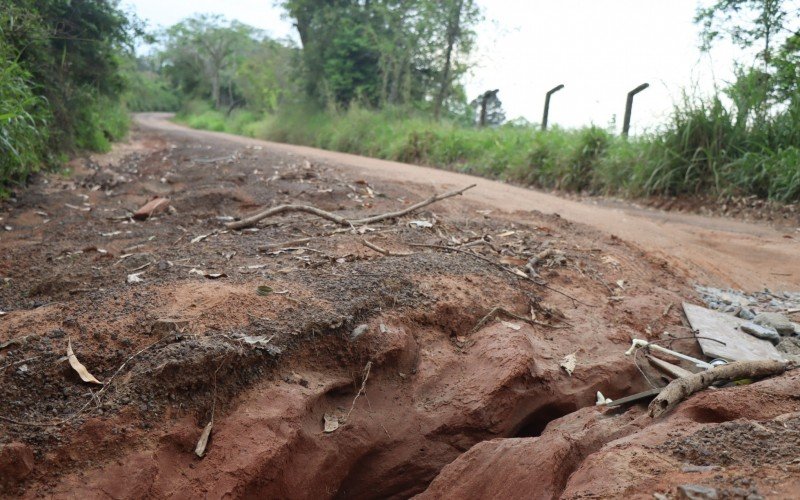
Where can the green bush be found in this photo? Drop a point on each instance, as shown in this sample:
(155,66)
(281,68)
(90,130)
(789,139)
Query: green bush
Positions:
(23,123)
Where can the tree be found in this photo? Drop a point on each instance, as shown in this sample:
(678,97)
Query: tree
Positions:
(71,52)
(768,26)
(457,18)
(209,47)
(384,51)
(747,23)
(489,109)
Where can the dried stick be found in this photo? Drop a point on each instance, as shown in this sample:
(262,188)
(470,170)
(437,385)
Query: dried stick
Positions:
(281,209)
(361,391)
(388,253)
(681,388)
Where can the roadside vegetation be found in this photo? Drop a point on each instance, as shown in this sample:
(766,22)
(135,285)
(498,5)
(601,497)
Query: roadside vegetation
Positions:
(60,81)
(385,79)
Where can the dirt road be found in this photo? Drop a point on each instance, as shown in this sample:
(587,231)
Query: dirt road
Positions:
(455,352)
(717,251)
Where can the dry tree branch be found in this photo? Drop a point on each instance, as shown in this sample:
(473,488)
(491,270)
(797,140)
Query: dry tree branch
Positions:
(681,388)
(281,209)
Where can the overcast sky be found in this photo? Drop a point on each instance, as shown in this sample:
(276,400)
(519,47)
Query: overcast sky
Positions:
(599,49)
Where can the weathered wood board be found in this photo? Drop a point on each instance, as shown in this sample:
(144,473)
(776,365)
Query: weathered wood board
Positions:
(738,346)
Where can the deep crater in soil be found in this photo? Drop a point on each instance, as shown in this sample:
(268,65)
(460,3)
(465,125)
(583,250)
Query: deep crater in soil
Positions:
(384,344)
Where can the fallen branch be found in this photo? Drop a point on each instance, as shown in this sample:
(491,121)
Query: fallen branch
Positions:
(388,253)
(681,388)
(281,209)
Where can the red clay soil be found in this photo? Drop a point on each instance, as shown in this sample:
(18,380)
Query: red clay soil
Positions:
(272,331)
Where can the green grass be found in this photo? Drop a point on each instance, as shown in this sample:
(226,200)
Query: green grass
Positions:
(704,149)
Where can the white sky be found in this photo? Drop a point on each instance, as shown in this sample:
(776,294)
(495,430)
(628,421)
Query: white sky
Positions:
(599,49)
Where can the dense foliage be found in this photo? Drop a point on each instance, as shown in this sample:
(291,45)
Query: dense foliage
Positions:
(60,79)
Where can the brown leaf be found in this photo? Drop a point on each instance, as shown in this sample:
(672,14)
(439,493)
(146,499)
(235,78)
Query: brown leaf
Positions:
(78,367)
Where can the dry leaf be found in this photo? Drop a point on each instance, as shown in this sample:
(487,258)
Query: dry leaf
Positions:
(78,367)
(520,273)
(512,326)
(621,284)
(569,362)
(200,449)
(513,261)
(200,238)
(331,423)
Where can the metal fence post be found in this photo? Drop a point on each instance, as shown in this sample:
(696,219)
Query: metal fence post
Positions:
(547,104)
(626,124)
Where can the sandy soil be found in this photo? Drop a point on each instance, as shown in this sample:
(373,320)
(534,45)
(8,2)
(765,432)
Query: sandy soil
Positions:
(190,340)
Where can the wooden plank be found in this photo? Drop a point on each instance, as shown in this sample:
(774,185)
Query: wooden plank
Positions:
(674,371)
(639,396)
(738,346)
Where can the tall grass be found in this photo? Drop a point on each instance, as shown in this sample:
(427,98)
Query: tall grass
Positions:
(705,148)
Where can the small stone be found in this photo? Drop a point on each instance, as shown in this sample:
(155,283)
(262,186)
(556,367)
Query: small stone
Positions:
(776,321)
(696,492)
(358,332)
(746,314)
(761,332)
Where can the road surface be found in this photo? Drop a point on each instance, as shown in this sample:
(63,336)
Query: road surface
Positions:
(714,250)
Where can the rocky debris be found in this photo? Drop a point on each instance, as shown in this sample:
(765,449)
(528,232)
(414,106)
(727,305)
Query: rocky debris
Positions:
(762,332)
(745,305)
(776,321)
(696,492)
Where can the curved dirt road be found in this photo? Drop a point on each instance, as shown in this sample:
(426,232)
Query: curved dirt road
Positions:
(716,251)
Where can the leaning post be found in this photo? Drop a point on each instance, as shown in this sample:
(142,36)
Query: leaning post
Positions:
(626,124)
(547,104)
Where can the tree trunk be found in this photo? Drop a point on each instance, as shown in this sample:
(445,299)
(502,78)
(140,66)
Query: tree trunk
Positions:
(453,28)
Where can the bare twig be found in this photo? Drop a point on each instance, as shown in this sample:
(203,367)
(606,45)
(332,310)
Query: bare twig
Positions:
(681,388)
(388,253)
(281,209)
(361,391)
